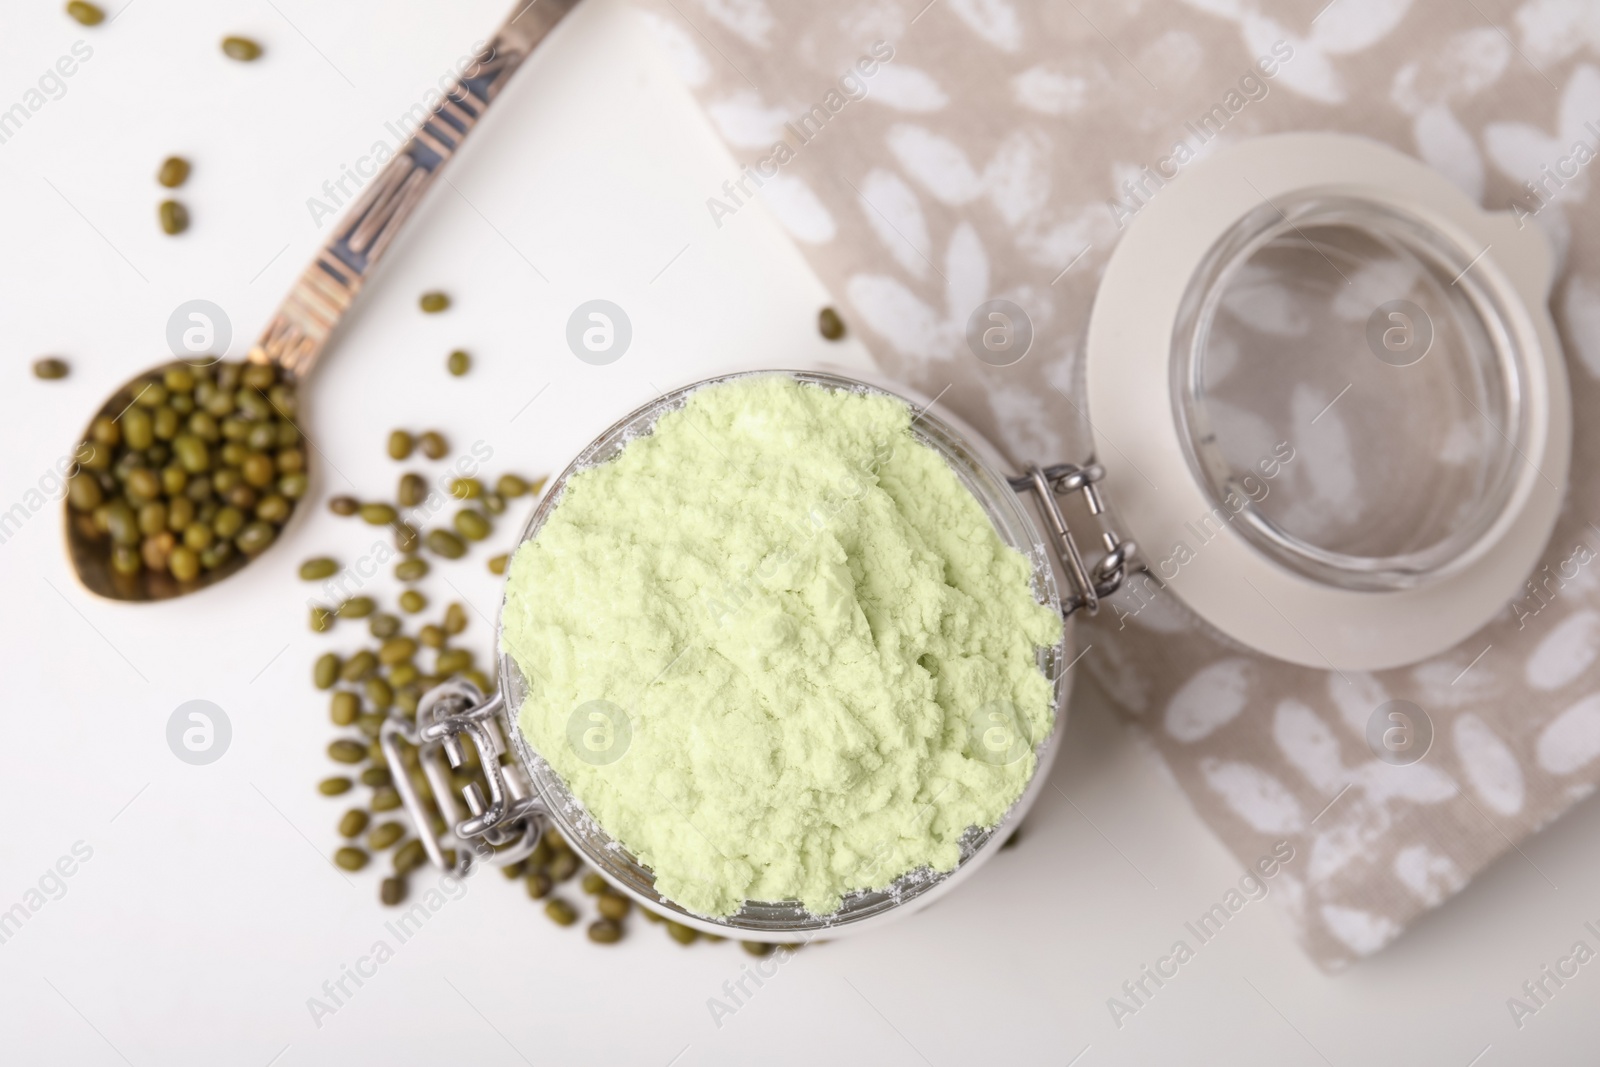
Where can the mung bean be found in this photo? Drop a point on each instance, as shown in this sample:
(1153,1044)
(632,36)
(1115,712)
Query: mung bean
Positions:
(174,217)
(85,13)
(173,173)
(350,858)
(241,48)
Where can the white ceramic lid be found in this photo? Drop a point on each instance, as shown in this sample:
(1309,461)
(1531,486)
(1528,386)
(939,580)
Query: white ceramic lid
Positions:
(1155,485)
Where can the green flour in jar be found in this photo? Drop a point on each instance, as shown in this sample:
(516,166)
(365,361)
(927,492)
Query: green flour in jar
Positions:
(777,649)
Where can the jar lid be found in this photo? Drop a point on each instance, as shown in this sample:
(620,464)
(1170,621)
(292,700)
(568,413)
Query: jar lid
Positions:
(1330,399)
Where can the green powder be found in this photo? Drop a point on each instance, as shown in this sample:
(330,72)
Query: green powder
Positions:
(821,649)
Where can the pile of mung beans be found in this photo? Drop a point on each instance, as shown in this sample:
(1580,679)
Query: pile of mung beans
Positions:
(201,466)
(402,662)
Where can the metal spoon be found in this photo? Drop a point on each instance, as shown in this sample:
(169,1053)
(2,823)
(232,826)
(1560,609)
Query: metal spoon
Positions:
(303,324)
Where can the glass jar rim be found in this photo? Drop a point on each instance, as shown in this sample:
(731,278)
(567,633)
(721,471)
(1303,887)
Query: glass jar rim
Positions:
(1505,373)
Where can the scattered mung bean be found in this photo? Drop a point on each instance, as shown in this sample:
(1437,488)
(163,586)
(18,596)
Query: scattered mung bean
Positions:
(50,369)
(347,751)
(433,445)
(385,835)
(383,626)
(829,324)
(472,525)
(407,539)
(452,661)
(396,650)
(413,490)
(350,858)
(344,707)
(446,544)
(241,48)
(326,670)
(358,666)
(409,856)
(174,217)
(613,905)
(174,172)
(563,866)
(85,13)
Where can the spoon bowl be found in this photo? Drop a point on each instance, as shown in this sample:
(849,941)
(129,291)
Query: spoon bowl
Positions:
(88,546)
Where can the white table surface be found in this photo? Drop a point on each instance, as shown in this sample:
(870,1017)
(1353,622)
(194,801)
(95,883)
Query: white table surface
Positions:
(206,917)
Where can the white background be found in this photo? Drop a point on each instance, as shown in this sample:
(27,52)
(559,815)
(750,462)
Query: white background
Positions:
(208,913)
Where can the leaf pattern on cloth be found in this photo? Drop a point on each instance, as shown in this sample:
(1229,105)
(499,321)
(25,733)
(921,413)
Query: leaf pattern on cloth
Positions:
(982,161)
(1520,149)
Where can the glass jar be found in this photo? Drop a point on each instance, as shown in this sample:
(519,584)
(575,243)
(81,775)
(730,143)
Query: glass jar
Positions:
(528,792)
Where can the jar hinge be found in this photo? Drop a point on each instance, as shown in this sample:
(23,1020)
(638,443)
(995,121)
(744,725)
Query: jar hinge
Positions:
(1089,583)
(500,828)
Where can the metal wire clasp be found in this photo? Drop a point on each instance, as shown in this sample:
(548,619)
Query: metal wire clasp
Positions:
(500,828)
(1090,584)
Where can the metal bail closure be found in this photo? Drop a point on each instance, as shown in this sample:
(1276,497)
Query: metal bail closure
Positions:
(1090,585)
(501,822)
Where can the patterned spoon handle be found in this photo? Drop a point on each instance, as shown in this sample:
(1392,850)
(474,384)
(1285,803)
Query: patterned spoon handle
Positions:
(300,329)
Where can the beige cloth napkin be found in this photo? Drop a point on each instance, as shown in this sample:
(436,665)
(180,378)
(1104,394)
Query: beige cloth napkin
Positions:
(928,157)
